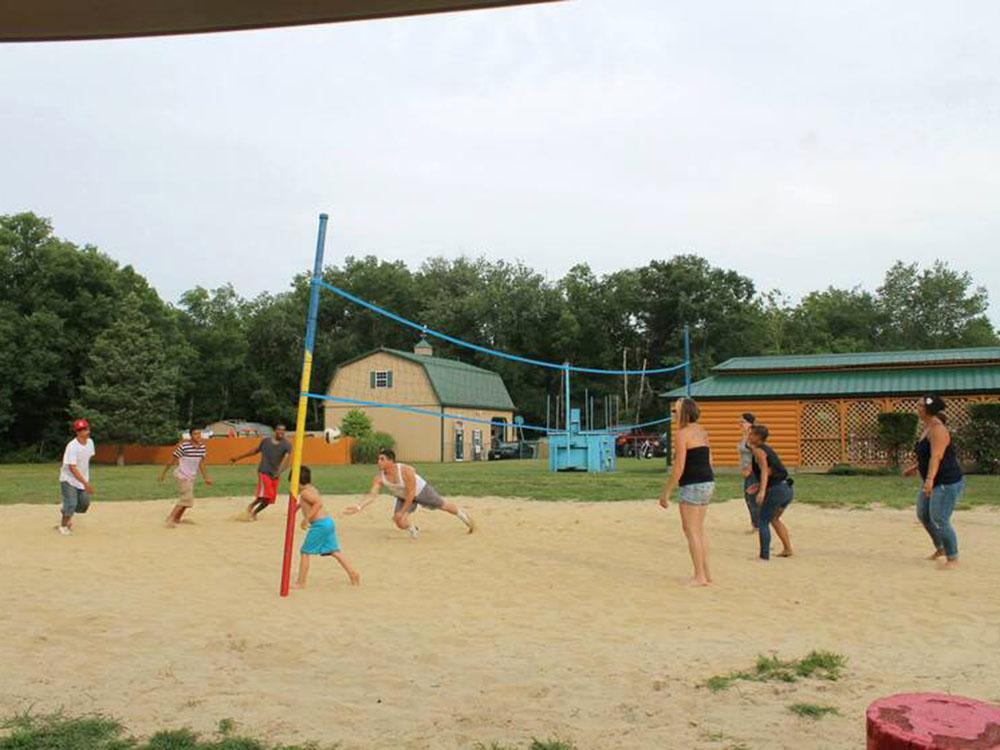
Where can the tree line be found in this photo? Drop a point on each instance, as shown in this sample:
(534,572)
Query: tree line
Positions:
(83,335)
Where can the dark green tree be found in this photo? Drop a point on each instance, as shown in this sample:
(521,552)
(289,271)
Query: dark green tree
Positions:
(130,383)
(214,324)
(936,308)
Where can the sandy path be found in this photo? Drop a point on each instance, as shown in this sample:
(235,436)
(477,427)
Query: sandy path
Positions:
(554,619)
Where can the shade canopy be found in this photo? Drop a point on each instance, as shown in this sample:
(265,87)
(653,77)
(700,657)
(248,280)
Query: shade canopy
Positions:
(60,20)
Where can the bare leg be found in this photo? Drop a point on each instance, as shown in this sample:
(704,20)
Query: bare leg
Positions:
(303,572)
(463,516)
(782,531)
(695,544)
(173,518)
(351,572)
(702,510)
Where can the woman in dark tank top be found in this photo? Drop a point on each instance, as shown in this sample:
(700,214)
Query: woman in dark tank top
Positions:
(692,473)
(943,483)
(773,491)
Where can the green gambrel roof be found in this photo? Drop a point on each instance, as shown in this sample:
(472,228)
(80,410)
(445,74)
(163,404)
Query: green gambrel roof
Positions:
(456,383)
(884,382)
(861,359)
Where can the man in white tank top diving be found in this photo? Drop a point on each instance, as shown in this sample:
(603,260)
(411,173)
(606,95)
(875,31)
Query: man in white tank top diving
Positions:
(410,490)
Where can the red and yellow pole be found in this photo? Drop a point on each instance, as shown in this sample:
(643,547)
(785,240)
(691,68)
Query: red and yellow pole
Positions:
(300,417)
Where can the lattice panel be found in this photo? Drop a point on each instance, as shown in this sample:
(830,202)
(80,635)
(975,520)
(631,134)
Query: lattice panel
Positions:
(820,419)
(820,452)
(820,429)
(862,432)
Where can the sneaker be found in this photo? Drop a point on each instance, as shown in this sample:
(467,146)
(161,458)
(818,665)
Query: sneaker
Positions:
(65,531)
(412,531)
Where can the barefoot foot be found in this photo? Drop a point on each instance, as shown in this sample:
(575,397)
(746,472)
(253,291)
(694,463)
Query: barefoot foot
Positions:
(355,579)
(786,553)
(937,553)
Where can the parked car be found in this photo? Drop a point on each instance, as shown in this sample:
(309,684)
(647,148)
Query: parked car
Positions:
(641,444)
(502,449)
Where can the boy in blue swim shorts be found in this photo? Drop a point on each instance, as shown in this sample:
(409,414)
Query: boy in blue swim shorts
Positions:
(322,536)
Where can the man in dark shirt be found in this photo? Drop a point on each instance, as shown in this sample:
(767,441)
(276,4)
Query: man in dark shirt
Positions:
(274,452)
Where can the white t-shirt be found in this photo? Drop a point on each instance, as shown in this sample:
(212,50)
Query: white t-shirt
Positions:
(77,455)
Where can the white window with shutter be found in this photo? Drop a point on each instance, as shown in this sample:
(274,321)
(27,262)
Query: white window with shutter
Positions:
(380,378)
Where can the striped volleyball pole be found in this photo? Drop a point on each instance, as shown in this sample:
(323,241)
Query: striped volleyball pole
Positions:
(300,417)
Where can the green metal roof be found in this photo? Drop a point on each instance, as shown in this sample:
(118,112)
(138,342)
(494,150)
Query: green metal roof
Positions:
(454,382)
(861,359)
(981,379)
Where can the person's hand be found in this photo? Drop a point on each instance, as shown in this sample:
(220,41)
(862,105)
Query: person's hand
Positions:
(399,518)
(88,488)
(760,498)
(208,481)
(304,524)
(232,461)
(909,471)
(928,487)
(753,489)
(665,500)
(350,510)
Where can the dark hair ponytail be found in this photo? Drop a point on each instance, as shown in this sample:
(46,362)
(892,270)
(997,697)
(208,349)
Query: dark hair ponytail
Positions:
(933,405)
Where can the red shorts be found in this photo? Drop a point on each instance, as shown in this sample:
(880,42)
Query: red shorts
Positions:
(267,488)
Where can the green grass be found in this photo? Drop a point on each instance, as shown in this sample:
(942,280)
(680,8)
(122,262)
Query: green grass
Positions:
(824,665)
(812,711)
(56,732)
(634,480)
(59,732)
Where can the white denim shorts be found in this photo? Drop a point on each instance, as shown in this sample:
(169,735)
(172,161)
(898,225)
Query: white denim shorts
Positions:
(697,494)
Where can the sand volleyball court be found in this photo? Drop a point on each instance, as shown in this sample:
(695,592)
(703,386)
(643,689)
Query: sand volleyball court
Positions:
(554,619)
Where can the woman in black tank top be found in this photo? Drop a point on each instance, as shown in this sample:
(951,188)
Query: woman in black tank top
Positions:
(938,466)
(693,475)
(773,490)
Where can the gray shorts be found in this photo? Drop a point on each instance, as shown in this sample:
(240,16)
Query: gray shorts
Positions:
(427,497)
(697,494)
(73,500)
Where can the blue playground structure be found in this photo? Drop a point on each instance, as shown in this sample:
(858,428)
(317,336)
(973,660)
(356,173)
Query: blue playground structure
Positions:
(579,450)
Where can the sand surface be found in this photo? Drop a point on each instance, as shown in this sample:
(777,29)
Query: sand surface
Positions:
(554,619)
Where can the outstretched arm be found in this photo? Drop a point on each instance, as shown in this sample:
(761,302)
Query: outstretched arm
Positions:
(369,498)
(249,453)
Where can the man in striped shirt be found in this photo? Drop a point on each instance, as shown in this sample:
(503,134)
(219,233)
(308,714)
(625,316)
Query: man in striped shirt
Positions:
(189,456)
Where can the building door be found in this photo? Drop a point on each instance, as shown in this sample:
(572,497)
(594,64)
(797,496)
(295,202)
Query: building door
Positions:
(498,430)
(477,445)
(459,442)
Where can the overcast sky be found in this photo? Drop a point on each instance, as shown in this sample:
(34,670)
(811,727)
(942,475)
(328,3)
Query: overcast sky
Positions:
(802,144)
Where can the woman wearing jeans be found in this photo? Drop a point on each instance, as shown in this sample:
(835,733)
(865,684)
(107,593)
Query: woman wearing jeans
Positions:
(774,492)
(943,480)
(693,474)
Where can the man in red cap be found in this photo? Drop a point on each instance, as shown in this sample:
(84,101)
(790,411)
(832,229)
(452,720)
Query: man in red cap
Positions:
(74,476)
